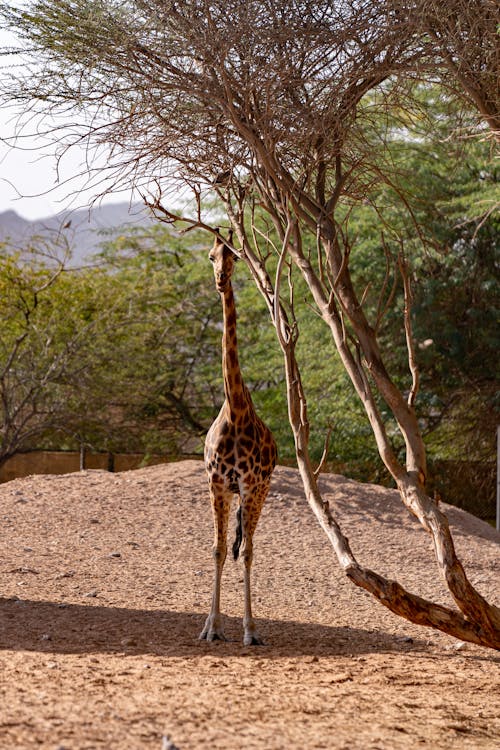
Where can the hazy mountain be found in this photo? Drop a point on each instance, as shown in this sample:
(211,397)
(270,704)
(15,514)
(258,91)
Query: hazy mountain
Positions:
(83,228)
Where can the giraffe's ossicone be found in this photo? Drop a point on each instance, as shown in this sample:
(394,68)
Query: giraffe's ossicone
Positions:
(240,455)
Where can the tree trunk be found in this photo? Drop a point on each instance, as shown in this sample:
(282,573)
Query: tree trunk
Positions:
(479,622)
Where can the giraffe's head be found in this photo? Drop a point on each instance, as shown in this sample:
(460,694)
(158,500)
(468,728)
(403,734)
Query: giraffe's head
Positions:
(223,260)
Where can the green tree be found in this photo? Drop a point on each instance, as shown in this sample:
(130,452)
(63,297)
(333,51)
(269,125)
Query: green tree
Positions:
(117,357)
(168,359)
(47,335)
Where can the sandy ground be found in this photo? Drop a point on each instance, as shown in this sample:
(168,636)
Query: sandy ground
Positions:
(105,582)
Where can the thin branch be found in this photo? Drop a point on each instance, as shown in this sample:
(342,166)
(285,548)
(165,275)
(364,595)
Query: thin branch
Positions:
(384,306)
(279,270)
(324,455)
(410,342)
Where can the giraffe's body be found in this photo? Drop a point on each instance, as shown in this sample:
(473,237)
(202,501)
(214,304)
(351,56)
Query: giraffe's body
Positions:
(240,455)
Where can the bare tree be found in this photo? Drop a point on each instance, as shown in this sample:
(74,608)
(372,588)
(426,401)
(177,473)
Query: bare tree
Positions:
(464,42)
(276,106)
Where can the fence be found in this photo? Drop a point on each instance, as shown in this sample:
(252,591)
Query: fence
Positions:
(65,462)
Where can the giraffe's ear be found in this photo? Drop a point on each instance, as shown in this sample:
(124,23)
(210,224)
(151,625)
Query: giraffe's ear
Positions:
(230,240)
(230,237)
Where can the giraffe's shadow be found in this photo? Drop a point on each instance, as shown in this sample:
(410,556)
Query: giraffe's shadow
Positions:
(50,627)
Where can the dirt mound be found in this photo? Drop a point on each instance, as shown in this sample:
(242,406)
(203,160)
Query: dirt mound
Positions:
(106,581)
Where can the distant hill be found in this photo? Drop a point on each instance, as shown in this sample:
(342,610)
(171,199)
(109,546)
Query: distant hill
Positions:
(83,227)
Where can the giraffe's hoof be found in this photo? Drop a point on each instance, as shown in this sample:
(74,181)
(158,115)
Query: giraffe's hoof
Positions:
(213,630)
(251,635)
(212,635)
(252,638)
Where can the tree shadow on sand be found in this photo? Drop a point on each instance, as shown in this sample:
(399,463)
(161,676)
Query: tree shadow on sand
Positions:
(49,627)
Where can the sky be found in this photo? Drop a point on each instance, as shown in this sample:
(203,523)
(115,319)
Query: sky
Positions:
(30,184)
(29,181)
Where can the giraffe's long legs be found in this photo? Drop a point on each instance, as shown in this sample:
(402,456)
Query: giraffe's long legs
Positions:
(250,634)
(251,507)
(221,504)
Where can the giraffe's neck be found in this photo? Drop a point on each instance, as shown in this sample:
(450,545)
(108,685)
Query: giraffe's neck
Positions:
(234,387)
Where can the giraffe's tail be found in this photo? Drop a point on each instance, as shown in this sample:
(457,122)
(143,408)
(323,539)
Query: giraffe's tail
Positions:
(239,534)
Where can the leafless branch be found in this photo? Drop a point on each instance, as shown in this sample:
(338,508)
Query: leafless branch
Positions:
(324,455)
(410,342)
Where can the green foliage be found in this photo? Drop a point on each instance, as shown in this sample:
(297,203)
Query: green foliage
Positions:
(165,354)
(104,355)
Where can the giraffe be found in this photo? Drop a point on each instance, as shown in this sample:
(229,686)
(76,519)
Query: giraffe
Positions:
(240,455)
